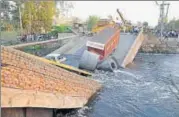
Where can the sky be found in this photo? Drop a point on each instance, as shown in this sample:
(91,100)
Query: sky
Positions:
(132,10)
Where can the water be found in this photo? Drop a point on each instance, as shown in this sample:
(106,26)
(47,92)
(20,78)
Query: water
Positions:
(150,88)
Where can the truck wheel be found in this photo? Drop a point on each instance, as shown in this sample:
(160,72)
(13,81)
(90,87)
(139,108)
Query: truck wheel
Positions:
(113,64)
(110,64)
(115,61)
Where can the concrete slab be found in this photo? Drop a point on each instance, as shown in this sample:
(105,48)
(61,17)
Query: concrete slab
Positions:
(125,42)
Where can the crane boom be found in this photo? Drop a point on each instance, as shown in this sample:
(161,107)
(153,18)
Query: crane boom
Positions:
(127,25)
(122,18)
(156,3)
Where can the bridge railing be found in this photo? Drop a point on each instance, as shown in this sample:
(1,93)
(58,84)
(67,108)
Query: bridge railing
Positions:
(41,42)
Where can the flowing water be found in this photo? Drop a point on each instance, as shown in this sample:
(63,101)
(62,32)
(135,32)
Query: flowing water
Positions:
(150,88)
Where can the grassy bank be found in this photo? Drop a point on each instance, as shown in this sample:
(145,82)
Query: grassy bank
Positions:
(9,35)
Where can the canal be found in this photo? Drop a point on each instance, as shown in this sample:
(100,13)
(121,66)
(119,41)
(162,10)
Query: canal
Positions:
(148,88)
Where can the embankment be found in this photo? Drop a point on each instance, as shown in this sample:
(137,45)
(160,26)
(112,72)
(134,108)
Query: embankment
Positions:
(153,44)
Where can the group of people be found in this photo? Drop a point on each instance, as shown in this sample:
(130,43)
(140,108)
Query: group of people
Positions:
(26,37)
(33,37)
(171,33)
(135,29)
(168,34)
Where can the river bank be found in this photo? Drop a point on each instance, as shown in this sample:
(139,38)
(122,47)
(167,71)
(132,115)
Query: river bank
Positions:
(153,44)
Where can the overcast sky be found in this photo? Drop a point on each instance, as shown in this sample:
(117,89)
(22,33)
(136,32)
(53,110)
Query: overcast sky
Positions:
(132,10)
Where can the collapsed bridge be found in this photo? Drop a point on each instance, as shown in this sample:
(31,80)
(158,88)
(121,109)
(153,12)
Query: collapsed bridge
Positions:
(28,82)
(124,54)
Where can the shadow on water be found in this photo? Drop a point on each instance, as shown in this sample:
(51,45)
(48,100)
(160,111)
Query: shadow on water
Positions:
(148,89)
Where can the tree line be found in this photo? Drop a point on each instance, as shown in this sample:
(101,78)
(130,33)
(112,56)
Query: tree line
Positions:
(36,16)
(173,24)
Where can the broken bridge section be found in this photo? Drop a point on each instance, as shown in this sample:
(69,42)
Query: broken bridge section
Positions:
(29,82)
(127,48)
(133,50)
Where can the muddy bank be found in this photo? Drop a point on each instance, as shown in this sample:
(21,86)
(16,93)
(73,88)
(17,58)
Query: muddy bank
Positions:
(153,44)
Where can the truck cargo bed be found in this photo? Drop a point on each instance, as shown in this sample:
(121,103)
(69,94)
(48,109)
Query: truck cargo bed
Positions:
(103,36)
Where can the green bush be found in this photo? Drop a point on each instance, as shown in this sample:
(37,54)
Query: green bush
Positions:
(60,29)
(92,21)
(30,48)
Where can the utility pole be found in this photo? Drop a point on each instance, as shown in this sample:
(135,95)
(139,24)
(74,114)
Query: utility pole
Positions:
(20,17)
(161,19)
(0,25)
(0,36)
(162,16)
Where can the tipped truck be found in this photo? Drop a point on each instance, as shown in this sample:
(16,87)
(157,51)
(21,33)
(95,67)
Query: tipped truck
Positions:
(99,50)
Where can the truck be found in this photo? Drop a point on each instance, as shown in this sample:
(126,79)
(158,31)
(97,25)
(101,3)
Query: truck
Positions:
(100,47)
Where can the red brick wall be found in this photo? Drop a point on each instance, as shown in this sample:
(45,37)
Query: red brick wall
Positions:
(22,71)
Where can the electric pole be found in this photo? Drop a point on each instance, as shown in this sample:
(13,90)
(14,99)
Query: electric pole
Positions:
(163,16)
(0,22)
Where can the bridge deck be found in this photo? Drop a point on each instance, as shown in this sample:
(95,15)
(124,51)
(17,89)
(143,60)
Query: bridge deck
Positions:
(125,43)
(127,48)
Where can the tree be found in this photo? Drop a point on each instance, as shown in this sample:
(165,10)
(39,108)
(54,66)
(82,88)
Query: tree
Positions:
(7,9)
(172,24)
(15,15)
(145,25)
(5,6)
(92,21)
(46,13)
(38,16)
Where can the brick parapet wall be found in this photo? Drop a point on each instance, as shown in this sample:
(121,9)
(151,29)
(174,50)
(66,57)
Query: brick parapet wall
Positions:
(22,71)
